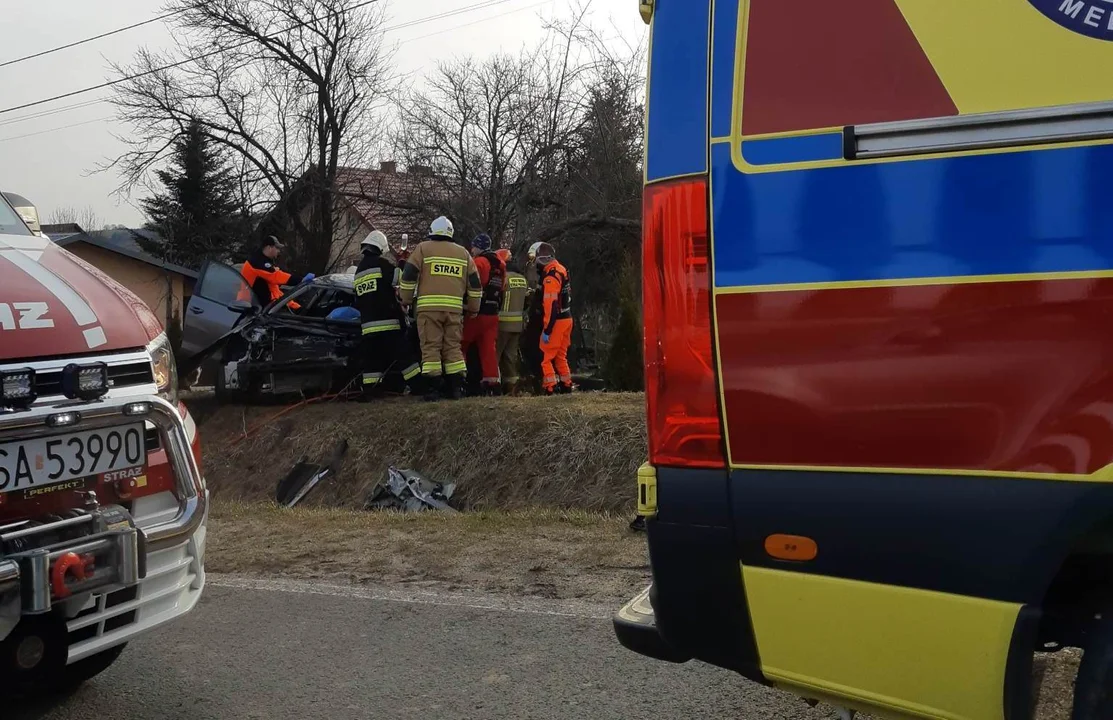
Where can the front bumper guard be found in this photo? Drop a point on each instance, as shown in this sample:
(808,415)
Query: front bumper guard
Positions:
(25,578)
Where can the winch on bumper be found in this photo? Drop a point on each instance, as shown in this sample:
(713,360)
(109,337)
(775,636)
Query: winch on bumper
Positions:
(55,576)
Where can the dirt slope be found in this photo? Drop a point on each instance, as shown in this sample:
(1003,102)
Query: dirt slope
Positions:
(580,452)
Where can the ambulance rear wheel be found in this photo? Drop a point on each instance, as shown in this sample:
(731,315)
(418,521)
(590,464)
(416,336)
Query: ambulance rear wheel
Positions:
(1093,688)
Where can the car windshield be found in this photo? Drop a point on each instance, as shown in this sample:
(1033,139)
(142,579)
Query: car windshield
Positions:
(10,222)
(314,301)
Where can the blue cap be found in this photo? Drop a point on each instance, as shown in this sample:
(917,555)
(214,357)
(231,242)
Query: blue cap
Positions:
(482,241)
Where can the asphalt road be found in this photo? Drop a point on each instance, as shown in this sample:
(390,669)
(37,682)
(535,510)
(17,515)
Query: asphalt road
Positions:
(275,650)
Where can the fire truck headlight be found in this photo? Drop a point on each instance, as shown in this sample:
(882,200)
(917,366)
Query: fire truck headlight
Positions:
(164,368)
(85,382)
(17,387)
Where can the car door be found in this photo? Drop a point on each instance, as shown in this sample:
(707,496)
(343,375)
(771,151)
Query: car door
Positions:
(220,299)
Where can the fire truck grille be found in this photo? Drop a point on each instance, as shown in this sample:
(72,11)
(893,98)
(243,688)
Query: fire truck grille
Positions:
(49,382)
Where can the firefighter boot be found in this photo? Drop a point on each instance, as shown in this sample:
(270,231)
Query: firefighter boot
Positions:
(433,389)
(456,386)
(564,389)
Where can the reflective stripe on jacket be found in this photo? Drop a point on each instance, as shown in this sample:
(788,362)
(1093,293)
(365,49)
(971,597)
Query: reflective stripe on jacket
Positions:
(512,315)
(441,274)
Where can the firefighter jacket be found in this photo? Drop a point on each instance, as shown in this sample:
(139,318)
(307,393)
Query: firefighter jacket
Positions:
(512,316)
(441,274)
(379,310)
(492,277)
(265,278)
(557,298)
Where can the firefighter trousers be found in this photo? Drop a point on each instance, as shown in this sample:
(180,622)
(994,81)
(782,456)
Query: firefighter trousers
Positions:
(554,366)
(440,332)
(483,331)
(506,347)
(386,362)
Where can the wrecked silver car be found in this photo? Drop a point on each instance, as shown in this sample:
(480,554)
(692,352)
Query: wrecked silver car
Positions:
(294,345)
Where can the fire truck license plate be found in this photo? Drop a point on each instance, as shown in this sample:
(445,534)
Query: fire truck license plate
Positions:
(46,461)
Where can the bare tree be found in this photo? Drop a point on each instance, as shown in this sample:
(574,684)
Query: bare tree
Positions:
(86,218)
(290,87)
(535,146)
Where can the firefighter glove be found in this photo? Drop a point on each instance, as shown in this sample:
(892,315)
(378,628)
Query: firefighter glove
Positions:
(544,338)
(308,278)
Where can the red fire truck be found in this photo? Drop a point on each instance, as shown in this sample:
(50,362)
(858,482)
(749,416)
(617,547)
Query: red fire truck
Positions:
(102,502)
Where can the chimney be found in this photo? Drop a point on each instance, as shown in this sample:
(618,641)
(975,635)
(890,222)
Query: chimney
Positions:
(388,166)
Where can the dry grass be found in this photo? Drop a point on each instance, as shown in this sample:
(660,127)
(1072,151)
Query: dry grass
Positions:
(545,553)
(577,452)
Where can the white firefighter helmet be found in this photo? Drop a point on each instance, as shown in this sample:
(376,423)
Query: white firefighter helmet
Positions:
(441,228)
(533,251)
(376,239)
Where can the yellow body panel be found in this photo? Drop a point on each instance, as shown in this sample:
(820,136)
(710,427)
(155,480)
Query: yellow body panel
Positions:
(997,55)
(881,648)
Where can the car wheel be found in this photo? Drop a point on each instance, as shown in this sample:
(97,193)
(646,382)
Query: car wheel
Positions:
(1093,689)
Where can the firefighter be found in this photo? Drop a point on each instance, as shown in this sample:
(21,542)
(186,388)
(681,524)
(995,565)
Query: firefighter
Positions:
(512,321)
(530,341)
(556,326)
(265,278)
(483,329)
(382,351)
(442,275)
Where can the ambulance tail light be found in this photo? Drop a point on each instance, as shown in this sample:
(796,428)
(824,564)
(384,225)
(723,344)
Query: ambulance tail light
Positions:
(682,397)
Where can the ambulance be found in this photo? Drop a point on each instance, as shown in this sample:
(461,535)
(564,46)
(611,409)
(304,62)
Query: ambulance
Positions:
(102,501)
(878,308)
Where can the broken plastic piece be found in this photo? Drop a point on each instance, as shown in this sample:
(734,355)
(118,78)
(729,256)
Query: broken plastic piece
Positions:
(305,476)
(409,491)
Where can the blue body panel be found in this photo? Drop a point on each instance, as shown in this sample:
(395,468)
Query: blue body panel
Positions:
(676,138)
(1022,212)
(800,148)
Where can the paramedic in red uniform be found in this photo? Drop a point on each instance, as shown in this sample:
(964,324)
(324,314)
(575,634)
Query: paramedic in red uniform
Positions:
(483,329)
(556,327)
(265,277)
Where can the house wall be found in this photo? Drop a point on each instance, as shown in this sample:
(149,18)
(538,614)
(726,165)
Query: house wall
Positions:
(349,229)
(160,289)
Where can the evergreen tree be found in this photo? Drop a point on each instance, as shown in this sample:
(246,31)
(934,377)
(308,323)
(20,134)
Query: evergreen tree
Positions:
(196,216)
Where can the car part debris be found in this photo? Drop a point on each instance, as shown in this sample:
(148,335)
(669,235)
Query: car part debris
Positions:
(409,491)
(305,476)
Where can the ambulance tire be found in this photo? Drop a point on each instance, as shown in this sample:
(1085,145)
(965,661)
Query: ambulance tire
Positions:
(1093,688)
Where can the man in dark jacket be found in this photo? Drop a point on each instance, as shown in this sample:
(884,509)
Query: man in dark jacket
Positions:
(265,278)
(384,360)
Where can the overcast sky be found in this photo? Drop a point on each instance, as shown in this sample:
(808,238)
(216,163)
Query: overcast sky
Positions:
(48,153)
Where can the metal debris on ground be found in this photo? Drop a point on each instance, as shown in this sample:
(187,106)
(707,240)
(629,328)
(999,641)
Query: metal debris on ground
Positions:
(305,476)
(409,491)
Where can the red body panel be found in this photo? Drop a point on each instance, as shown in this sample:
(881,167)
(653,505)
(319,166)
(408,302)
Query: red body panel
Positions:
(86,311)
(991,376)
(863,64)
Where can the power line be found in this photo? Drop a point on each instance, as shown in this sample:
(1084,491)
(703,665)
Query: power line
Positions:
(171,66)
(89,39)
(53,111)
(50,130)
(89,103)
(474,22)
